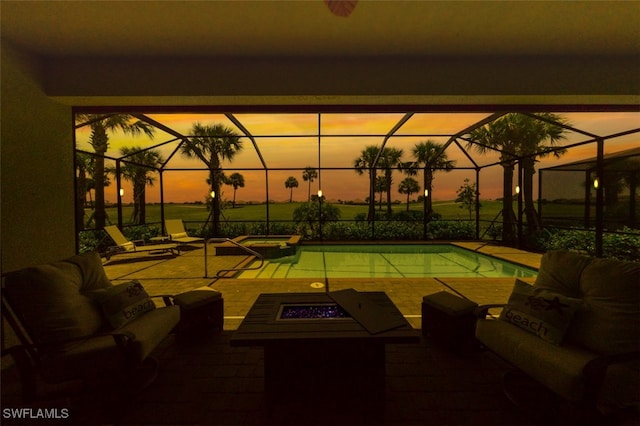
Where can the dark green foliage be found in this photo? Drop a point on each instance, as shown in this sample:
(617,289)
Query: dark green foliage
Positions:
(495,230)
(311,217)
(407,216)
(88,241)
(449,230)
(344,231)
(395,230)
(623,246)
(141,232)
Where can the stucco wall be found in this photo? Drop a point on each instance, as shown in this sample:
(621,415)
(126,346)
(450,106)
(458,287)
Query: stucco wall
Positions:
(36,167)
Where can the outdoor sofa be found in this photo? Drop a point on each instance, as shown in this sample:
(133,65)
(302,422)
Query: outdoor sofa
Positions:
(74,324)
(576,330)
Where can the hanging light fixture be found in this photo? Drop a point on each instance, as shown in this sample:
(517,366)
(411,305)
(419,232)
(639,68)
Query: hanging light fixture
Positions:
(342,8)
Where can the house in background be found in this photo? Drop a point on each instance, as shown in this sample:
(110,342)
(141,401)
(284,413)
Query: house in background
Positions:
(288,56)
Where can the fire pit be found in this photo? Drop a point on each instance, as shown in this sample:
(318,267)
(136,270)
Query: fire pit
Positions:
(311,311)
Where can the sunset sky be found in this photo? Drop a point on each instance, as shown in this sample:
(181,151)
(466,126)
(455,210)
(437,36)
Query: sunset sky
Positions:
(291,141)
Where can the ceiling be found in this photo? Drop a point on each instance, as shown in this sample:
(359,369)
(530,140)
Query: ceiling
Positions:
(308,28)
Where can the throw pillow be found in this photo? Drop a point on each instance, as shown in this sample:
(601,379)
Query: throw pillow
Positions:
(128,246)
(179,235)
(539,311)
(123,303)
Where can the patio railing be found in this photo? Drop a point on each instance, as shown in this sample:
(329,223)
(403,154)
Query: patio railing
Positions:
(221,272)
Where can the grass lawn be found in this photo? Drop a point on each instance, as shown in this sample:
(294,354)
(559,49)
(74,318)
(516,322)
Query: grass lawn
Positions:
(284,211)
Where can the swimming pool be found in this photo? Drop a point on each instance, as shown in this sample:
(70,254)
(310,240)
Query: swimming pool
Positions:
(386,261)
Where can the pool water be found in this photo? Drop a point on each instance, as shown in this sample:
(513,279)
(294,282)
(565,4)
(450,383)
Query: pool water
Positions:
(387,261)
(261,241)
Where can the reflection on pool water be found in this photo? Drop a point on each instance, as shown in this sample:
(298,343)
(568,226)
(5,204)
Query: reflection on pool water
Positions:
(386,261)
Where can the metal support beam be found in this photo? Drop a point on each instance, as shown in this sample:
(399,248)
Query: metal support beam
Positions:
(477,203)
(118,193)
(162,230)
(587,199)
(600,197)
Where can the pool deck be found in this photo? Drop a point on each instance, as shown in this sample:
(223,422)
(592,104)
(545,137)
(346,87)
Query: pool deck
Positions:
(162,274)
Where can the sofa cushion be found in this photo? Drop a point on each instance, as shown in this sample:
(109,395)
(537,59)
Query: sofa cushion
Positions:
(557,367)
(93,275)
(150,329)
(123,303)
(560,271)
(49,301)
(610,320)
(539,311)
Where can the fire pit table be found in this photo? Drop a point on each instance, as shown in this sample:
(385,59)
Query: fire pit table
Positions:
(324,353)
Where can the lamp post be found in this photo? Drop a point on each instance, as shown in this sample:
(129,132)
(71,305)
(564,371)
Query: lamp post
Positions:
(519,194)
(120,195)
(320,214)
(212,194)
(424,214)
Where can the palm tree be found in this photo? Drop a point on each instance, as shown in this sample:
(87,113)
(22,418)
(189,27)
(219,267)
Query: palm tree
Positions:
(143,162)
(213,144)
(500,135)
(534,133)
(365,162)
(380,187)
(291,183)
(84,167)
(236,180)
(99,140)
(426,157)
(517,135)
(408,186)
(308,175)
(390,159)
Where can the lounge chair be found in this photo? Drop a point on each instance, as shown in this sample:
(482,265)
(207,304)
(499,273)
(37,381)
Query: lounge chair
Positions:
(123,245)
(176,232)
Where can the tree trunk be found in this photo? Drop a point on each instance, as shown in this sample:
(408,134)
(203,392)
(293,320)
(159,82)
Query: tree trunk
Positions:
(99,213)
(508,217)
(143,207)
(139,203)
(533,222)
(389,182)
(215,205)
(428,181)
(371,214)
(290,195)
(81,197)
